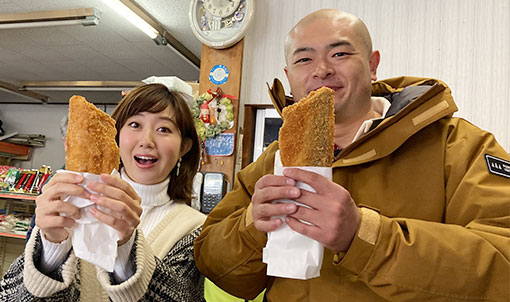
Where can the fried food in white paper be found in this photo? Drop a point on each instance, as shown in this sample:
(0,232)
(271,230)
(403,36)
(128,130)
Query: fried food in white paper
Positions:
(90,139)
(307,134)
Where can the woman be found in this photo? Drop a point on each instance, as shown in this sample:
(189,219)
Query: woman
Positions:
(150,211)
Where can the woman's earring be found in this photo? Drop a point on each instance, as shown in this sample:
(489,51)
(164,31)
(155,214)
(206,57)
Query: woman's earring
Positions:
(178,166)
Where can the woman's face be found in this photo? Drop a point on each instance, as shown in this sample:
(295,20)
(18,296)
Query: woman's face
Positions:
(150,145)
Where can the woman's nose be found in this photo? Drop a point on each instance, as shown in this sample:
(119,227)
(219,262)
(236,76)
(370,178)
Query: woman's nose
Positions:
(146,139)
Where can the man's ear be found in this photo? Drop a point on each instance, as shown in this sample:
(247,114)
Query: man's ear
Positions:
(375,57)
(185,146)
(286,70)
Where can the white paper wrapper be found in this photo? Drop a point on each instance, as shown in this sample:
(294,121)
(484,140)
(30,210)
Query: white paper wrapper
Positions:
(289,254)
(93,241)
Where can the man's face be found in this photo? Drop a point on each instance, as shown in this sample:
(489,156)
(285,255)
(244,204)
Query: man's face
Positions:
(329,53)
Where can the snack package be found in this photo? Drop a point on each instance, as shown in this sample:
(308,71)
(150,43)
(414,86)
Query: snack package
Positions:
(306,142)
(4,170)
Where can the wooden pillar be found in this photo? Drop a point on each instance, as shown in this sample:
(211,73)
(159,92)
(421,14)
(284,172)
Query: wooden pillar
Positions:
(232,59)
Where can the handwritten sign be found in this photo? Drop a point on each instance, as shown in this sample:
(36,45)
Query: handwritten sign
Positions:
(221,145)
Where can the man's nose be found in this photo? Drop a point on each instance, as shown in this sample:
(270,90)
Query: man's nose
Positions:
(322,69)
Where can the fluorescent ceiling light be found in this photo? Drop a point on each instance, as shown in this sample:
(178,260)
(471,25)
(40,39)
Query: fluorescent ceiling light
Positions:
(136,20)
(80,85)
(83,16)
(135,14)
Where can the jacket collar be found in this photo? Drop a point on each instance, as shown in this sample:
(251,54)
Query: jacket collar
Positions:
(415,104)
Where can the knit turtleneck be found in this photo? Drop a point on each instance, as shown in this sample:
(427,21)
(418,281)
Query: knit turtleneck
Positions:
(152,195)
(155,202)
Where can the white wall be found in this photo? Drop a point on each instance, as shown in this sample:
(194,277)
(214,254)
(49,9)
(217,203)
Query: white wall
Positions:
(39,119)
(465,43)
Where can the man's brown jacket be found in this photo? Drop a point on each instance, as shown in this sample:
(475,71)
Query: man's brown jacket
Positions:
(434,193)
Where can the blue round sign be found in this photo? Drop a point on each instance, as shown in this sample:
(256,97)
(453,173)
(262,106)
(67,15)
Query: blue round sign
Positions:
(218,74)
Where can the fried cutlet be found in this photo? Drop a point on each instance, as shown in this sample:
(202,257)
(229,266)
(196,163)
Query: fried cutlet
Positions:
(90,139)
(307,135)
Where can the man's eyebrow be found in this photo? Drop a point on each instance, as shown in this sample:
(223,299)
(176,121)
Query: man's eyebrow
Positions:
(331,46)
(339,43)
(302,49)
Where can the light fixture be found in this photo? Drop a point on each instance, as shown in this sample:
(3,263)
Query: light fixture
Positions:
(83,16)
(26,94)
(146,23)
(135,19)
(80,85)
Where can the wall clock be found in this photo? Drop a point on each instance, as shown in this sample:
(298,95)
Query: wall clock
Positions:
(220,23)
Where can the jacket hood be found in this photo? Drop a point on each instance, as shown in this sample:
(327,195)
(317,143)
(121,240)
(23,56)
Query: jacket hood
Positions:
(415,103)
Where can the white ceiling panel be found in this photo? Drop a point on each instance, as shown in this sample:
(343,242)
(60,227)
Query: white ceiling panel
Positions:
(7,55)
(121,51)
(80,51)
(173,15)
(9,7)
(42,54)
(49,36)
(113,50)
(69,70)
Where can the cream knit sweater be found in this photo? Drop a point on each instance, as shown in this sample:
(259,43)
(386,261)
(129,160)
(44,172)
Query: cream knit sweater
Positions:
(170,237)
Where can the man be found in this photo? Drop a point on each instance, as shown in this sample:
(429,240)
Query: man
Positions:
(419,205)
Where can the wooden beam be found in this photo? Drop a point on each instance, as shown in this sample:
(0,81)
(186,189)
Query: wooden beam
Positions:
(232,59)
(72,84)
(28,94)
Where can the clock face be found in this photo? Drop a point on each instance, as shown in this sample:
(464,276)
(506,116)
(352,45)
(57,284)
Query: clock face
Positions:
(220,23)
(221,8)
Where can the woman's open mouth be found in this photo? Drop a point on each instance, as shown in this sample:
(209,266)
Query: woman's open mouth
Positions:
(145,160)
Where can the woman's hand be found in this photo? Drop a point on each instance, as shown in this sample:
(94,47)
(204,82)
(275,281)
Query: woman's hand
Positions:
(50,206)
(122,200)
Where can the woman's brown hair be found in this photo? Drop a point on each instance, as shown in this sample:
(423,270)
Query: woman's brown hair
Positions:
(155,98)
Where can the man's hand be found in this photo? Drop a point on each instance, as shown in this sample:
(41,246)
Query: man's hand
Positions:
(333,213)
(267,189)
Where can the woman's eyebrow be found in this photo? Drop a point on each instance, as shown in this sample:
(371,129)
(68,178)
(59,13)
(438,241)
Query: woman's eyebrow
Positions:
(170,119)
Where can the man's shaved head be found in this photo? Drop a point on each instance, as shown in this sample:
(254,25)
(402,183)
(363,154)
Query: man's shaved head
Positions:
(333,48)
(342,18)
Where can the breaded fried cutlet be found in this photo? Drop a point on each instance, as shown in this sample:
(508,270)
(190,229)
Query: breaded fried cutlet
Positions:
(90,139)
(307,135)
